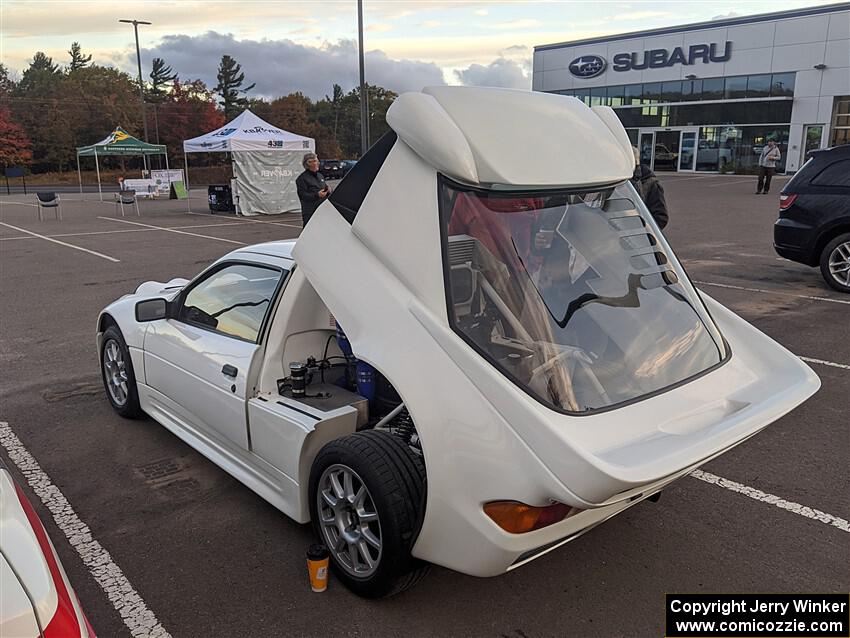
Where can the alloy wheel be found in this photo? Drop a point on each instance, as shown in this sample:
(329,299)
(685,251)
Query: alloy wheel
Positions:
(839,263)
(115,372)
(349,521)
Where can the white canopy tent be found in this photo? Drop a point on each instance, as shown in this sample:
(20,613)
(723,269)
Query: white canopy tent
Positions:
(266,161)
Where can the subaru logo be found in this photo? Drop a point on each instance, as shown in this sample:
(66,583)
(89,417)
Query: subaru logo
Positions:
(588,66)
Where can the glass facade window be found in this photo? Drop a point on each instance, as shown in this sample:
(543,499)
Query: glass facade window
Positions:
(712,89)
(735,88)
(782,85)
(632,94)
(615,96)
(671,91)
(651,93)
(777,111)
(598,96)
(737,148)
(758,85)
(691,90)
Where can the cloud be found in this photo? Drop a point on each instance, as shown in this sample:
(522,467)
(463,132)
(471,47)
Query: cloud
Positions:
(482,12)
(431,24)
(280,67)
(379,27)
(723,16)
(500,72)
(640,15)
(522,23)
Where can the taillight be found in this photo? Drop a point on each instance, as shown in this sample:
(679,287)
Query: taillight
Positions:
(786,201)
(519,518)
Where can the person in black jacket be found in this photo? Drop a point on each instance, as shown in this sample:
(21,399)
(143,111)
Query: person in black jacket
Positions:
(311,186)
(651,191)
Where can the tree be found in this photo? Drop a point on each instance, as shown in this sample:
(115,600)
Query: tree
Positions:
(161,76)
(7,84)
(14,143)
(78,60)
(41,71)
(230,79)
(189,111)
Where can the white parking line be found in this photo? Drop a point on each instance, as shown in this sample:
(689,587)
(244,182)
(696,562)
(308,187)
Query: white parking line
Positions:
(61,243)
(843,366)
(764,497)
(174,230)
(19,203)
(257,221)
(140,620)
(771,292)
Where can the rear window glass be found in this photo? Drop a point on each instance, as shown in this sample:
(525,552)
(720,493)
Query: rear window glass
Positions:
(835,174)
(572,295)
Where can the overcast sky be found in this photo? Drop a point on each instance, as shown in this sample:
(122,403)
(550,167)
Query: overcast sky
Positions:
(307,45)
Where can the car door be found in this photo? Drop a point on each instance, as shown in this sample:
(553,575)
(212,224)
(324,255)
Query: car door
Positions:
(200,360)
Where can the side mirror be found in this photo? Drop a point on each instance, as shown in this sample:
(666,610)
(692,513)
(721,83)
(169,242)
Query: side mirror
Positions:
(151,310)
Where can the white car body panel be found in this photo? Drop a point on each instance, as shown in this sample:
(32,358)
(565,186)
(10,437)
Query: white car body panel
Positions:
(483,437)
(29,598)
(22,551)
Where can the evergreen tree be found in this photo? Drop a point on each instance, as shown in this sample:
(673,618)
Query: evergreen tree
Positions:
(7,84)
(161,76)
(78,60)
(229,87)
(42,62)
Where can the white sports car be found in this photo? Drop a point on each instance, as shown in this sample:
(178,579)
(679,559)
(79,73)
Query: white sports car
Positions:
(480,347)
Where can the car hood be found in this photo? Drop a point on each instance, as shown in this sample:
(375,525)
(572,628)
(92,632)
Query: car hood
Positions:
(159,289)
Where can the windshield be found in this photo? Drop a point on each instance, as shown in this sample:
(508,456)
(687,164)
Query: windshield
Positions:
(575,296)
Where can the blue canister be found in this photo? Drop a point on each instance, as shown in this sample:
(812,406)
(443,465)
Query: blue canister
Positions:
(343,342)
(366,381)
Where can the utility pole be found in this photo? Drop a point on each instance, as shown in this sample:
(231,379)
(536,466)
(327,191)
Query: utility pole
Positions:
(364,108)
(136,24)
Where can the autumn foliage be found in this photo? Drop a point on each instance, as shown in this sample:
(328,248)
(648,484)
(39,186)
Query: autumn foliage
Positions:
(53,109)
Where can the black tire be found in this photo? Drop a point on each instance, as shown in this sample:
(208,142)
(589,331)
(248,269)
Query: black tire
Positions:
(395,481)
(825,255)
(130,407)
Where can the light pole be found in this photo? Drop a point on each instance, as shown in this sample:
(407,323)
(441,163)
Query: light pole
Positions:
(136,24)
(364,109)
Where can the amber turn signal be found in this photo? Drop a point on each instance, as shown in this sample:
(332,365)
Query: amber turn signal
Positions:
(519,518)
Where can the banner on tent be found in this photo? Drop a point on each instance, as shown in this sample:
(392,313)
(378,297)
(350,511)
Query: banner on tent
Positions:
(266,181)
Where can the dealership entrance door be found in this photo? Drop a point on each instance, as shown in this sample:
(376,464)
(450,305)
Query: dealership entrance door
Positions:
(669,149)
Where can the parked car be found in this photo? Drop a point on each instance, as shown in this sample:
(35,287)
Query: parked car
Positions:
(36,598)
(814,216)
(711,155)
(665,158)
(477,350)
(331,168)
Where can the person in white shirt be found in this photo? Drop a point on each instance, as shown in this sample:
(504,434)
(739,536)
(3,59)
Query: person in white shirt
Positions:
(770,155)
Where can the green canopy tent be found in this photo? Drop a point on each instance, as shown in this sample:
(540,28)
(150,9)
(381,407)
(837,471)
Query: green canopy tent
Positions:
(118,142)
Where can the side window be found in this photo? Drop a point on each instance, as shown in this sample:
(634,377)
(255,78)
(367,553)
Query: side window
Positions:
(836,174)
(233,300)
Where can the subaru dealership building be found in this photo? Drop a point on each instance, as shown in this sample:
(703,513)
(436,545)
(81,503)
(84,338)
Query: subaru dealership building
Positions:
(707,96)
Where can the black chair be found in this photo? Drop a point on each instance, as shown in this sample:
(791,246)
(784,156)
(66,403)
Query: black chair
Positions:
(48,200)
(127,197)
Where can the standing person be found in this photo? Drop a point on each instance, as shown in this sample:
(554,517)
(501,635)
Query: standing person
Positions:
(311,186)
(650,190)
(767,166)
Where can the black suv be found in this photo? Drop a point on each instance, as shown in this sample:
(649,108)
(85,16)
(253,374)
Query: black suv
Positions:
(814,216)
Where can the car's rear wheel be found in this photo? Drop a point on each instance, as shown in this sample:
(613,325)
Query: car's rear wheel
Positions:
(367,495)
(835,263)
(116,369)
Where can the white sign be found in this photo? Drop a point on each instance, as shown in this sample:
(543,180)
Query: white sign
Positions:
(162,179)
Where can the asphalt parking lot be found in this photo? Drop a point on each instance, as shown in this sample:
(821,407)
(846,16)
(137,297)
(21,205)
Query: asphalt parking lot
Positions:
(192,552)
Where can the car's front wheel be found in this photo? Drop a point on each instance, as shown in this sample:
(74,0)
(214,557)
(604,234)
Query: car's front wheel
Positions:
(116,369)
(367,495)
(835,263)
